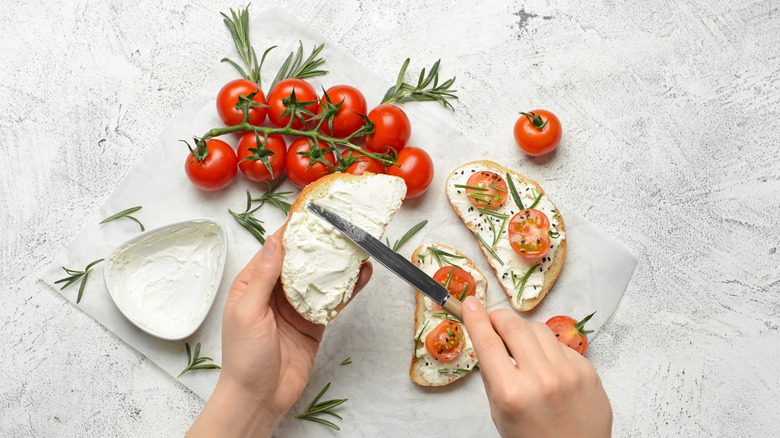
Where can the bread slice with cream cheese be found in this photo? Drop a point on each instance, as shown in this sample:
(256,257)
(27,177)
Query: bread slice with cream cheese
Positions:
(510,268)
(320,266)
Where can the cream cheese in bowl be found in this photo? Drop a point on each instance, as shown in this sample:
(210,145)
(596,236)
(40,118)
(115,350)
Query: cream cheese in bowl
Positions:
(165,280)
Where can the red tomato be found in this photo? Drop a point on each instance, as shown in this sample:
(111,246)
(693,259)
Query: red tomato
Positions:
(305,169)
(538,132)
(216,170)
(254,168)
(491,190)
(416,170)
(528,233)
(392,129)
(362,163)
(446,341)
(282,90)
(348,119)
(457,280)
(228,98)
(570,332)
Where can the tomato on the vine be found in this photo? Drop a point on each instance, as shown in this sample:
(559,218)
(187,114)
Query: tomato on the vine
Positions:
(416,169)
(227,98)
(261,161)
(538,132)
(528,233)
(457,280)
(304,92)
(212,166)
(307,164)
(362,163)
(570,332)
(487,189)
(446,341)
(349,117)
(392,129)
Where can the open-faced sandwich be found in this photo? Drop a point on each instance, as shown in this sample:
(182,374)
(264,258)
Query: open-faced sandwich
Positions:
(442,349)
(320,266)
(518,228)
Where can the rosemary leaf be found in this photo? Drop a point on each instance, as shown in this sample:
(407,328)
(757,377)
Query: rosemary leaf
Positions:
(523,281)
(124,213)
(408,235)
(489,249)
(417,342)
(295,67)
(194,361)
(346,361)
(513,190)
(441,257)
(536,201)
(315,408)
(424,91)
(74,276)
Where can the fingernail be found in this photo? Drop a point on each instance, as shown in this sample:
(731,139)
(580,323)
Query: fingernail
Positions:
(270,247)
(472,304)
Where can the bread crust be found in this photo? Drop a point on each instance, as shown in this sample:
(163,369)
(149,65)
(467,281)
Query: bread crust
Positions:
(415,370)
(560,253)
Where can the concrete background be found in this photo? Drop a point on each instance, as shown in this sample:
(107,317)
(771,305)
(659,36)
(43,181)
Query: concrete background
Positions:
(670,122)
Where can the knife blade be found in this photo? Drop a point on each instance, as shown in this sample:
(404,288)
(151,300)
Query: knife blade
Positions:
(391,260)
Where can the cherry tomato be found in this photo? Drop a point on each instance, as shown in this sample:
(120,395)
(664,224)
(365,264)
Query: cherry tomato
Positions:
(491,190)
(362,163)
(460,281)
(392,129)
(416,170)
(570,332)
(305,169)
(348,119)
(528,233)
(538,132)
(446,341)
(216,170)
(254,168)
(282,90)
(228,97)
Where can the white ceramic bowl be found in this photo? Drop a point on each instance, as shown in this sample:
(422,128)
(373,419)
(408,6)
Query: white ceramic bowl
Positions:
(165,280)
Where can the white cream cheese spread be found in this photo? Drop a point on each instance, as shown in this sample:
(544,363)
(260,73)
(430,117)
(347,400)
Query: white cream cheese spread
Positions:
(165,280)
(320,265)
(514,264)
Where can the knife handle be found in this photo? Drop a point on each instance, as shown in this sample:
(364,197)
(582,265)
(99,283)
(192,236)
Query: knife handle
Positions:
(453,307)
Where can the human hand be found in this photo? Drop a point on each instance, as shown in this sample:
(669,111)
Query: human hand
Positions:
(551,391)
(268,350)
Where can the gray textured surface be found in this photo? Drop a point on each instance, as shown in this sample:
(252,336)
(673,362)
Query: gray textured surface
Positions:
(671,123)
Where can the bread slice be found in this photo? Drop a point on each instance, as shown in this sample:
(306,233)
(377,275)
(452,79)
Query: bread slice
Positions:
(320,266)
(514,267)
(425,369)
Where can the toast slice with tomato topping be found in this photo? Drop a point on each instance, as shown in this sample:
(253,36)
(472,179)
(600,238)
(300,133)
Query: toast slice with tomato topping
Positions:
(525,256)
(442,349)
(320,266)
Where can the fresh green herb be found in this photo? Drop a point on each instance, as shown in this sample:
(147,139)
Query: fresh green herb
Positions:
(492,213)
(278,200)
(407,236)
(513,191)
(417,342)
(520,285)
(444,315)
(247,218)
(581,325)
(496,233)
(322,408)
(454,371)
(536,201)
(464,294)
(125,213)
(554,234)
(497,188)
(295,67)
(346,361)
(442,257)
(75,276)
(462,186)
(556,215)
(449,278)
(404,92)
(489,249)
(194,362)
(238,25)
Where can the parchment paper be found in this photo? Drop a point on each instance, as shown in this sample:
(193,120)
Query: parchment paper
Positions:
(376,329)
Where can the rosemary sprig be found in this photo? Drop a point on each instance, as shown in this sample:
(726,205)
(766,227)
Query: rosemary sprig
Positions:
(464,186)
(346,361)
(423,91)
(277,199)
(444,315)
(247,218)
(442,257)
(124,213)
(536,201)
(489,248)
(74,276)
(514,193)
(417,342)
(407,236)
(454,371)
(322,408)
(295,67)
(194,362)
(520,285)
(492,213)
(238,25)
(465,292)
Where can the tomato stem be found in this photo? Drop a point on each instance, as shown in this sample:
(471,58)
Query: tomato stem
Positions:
(581,325)
(536,120)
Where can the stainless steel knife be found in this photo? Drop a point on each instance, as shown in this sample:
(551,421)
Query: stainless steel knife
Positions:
(393,261)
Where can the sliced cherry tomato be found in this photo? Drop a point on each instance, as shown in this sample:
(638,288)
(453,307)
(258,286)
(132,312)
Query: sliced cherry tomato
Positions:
(304,92)
(528,233)
(538,132)
(362,163)
(228,98)
(305,164)
(457,280)
(392,129)
(348,119)
(570,332)
(213,165)
(490,189)
(252,153)
(446,341)
(416,169)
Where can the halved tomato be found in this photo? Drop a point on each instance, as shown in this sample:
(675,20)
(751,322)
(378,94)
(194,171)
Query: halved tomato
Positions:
(528,233)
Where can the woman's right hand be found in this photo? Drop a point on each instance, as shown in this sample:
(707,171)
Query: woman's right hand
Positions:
(548,391)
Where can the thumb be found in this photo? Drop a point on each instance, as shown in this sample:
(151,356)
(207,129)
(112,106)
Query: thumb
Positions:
(265,275)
